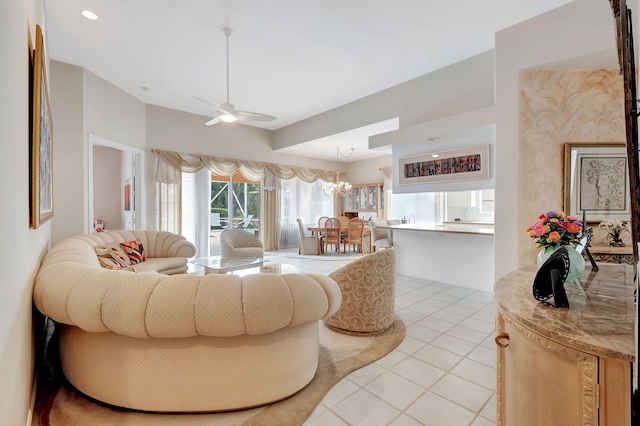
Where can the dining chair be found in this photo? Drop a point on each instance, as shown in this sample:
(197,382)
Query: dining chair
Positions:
(355,230)
(321,223)
(380,237)
(332,234)
(307,242)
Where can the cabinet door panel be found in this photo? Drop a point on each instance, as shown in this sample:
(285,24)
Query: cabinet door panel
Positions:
(541,382)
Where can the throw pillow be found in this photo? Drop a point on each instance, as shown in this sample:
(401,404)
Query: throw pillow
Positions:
(111,256)
(135,251)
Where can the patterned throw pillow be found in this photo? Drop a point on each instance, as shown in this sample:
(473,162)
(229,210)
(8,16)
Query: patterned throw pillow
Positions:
(135,251)
(111,256)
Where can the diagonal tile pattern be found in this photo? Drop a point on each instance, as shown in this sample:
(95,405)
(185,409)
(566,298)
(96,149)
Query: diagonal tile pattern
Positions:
(442,374)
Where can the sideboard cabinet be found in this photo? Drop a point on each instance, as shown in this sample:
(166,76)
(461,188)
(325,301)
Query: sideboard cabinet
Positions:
(564,367)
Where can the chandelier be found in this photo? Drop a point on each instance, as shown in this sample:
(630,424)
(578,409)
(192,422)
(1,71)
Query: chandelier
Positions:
(338,187)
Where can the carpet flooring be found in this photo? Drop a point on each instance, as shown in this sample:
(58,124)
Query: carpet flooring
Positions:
(340,354)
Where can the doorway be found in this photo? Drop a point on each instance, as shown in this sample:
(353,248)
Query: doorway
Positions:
(115,186)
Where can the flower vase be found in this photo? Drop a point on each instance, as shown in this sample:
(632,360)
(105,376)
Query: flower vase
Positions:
(576,261)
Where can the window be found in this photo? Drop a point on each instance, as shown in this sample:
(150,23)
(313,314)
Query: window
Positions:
(301,200)
(434,208)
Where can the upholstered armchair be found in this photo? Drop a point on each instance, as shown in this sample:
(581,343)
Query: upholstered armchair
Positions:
(240,243)
(368,294)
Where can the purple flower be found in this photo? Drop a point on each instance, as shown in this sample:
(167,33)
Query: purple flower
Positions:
(551,214)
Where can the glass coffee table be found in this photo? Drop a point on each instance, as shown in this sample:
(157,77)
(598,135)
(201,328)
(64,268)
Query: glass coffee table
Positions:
(222,265)
(272,268)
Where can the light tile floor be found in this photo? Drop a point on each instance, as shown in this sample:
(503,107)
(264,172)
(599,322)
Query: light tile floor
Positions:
(442,374)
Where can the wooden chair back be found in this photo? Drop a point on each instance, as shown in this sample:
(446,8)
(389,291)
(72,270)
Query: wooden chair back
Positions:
(355,230)
(322,221)
(332,233)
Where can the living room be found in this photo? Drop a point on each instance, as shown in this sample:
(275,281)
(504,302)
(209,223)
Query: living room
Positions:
(475,92)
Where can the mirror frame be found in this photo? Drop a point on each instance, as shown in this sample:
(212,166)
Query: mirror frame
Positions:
(568,187)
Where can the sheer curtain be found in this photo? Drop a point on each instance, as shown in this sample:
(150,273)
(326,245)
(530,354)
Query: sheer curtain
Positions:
(301,200)
(169,207)
(195,210)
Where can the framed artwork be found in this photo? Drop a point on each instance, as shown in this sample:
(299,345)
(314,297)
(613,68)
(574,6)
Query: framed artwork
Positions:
(127,196)
(596,182)
(42,140)
(442,166)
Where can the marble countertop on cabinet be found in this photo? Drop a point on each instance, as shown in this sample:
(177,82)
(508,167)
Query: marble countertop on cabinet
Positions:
(600,319)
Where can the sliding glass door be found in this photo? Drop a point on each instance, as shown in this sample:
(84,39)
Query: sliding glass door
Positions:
(235,203)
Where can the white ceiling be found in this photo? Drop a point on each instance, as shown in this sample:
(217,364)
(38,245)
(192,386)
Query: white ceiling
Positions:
(289,58)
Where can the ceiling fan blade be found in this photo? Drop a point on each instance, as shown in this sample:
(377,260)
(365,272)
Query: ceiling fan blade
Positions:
(254,116)
(225,108)
(213,121)
(206,102)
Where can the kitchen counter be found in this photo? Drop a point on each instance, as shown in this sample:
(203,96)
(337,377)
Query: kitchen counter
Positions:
(450,227)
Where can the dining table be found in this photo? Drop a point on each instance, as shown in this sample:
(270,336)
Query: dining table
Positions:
(317,230)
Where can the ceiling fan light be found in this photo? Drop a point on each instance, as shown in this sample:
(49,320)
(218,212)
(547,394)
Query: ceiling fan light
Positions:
(228,118)
(89,15)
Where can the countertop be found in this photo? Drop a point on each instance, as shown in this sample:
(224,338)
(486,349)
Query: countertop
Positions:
(601,316)
(457,228)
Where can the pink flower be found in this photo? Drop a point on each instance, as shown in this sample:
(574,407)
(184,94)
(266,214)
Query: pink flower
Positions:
(572,218)
(538,230)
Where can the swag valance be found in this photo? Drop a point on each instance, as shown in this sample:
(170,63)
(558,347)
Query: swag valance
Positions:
(170,164)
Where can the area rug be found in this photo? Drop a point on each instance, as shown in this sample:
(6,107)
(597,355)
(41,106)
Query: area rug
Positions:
(340,354)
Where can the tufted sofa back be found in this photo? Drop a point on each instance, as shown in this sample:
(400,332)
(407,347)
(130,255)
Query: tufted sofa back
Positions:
(73,289)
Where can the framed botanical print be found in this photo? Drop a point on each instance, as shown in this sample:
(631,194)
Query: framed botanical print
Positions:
(42,140)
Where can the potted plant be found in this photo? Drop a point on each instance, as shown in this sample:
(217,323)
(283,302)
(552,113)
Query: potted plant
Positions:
(614,230)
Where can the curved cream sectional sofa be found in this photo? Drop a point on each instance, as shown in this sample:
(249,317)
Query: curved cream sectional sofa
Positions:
(181,343)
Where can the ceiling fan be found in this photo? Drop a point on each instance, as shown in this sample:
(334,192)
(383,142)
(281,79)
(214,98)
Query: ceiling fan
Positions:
(227,112)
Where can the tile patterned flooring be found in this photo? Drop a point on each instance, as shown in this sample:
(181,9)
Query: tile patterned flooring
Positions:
(442,374)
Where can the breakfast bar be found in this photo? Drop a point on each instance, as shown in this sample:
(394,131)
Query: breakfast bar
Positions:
(448,253)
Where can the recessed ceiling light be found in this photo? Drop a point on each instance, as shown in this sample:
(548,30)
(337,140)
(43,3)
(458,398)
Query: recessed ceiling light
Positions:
(145,88)
(434,139)
(435,155)
(89,15)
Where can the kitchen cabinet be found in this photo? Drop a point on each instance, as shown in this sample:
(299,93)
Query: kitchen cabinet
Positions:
(367,198)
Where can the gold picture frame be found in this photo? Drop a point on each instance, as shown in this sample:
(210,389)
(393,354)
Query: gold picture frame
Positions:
(42,140)
(596,181)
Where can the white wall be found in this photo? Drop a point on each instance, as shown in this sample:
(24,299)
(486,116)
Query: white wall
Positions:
(84,104)
(107,187)
(464,86)
(575,33)
(367,171)
(21,248)
(68,151)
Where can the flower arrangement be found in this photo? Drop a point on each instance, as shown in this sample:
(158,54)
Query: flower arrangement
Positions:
(614,229)
(554,229)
